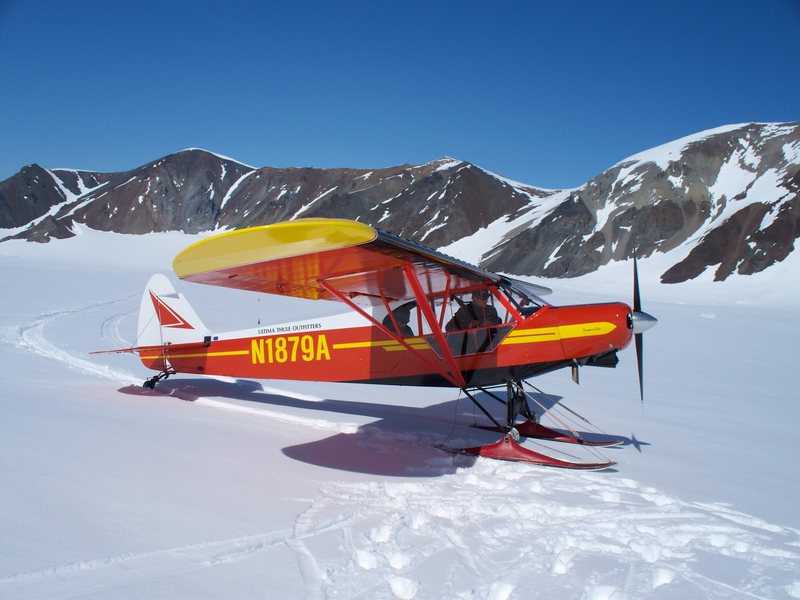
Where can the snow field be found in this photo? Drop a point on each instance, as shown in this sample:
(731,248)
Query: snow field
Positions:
(512,531)
(217,487)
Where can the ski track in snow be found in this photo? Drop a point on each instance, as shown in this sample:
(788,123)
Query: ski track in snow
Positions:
(110,329)
(96,576)
(280,417)
(31,336)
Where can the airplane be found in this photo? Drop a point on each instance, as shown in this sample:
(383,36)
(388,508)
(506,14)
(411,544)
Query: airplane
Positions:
(417,318)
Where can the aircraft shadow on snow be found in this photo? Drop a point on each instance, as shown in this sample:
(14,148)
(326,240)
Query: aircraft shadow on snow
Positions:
(403,440)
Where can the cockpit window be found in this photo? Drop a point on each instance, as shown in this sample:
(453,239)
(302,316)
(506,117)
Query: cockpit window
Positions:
(472,322)
(523,298)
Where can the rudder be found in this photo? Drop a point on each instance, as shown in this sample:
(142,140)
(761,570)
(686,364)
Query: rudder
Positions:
(166,317)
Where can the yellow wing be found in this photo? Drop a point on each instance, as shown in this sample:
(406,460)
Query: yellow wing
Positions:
(307,257)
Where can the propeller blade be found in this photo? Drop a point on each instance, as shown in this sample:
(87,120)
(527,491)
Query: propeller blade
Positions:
(641,323)
(639,339)
(637,300)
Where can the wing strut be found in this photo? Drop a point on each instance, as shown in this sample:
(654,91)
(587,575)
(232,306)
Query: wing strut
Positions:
(433,322)
(452,374)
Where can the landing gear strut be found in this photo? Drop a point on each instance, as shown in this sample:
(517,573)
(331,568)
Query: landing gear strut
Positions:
(516,404)
(151,383)
(508,447)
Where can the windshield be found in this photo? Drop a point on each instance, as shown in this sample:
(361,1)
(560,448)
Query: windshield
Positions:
(523,296)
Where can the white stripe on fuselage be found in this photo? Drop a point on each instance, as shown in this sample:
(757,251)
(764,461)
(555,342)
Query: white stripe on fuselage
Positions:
(320,324)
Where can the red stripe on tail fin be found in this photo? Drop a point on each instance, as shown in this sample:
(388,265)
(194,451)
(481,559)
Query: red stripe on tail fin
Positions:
(167,316)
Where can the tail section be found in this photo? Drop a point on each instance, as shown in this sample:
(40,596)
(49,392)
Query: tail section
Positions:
(166,317)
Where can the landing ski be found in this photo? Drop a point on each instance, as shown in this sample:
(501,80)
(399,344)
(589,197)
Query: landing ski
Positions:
(508,449)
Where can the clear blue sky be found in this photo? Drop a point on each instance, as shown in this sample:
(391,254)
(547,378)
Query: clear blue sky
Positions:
(549,93)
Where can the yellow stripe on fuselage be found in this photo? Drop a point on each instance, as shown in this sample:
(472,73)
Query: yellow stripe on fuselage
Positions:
(519,336)
(198,354)
(388,345)
(559,332)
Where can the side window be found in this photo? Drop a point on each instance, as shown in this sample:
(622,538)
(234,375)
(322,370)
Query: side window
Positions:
(401,320)
(472,322)
(477,322)
(502,312)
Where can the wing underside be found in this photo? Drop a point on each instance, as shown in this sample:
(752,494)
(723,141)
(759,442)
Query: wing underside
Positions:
(325,259)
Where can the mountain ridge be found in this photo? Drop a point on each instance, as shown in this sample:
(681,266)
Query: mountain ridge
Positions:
(726,198)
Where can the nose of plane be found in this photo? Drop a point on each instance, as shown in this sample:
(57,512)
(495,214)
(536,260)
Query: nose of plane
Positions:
(642,321)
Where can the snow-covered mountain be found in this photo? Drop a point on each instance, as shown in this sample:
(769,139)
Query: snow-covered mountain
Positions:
(725,199)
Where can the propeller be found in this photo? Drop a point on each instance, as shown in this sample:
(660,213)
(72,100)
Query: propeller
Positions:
(641,323)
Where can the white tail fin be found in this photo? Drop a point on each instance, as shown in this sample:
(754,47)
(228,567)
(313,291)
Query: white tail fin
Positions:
(166,317)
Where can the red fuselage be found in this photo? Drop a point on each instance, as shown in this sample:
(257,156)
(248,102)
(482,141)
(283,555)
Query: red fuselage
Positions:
(551,338)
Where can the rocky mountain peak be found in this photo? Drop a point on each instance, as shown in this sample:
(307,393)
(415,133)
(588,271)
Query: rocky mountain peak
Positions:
(724,199)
